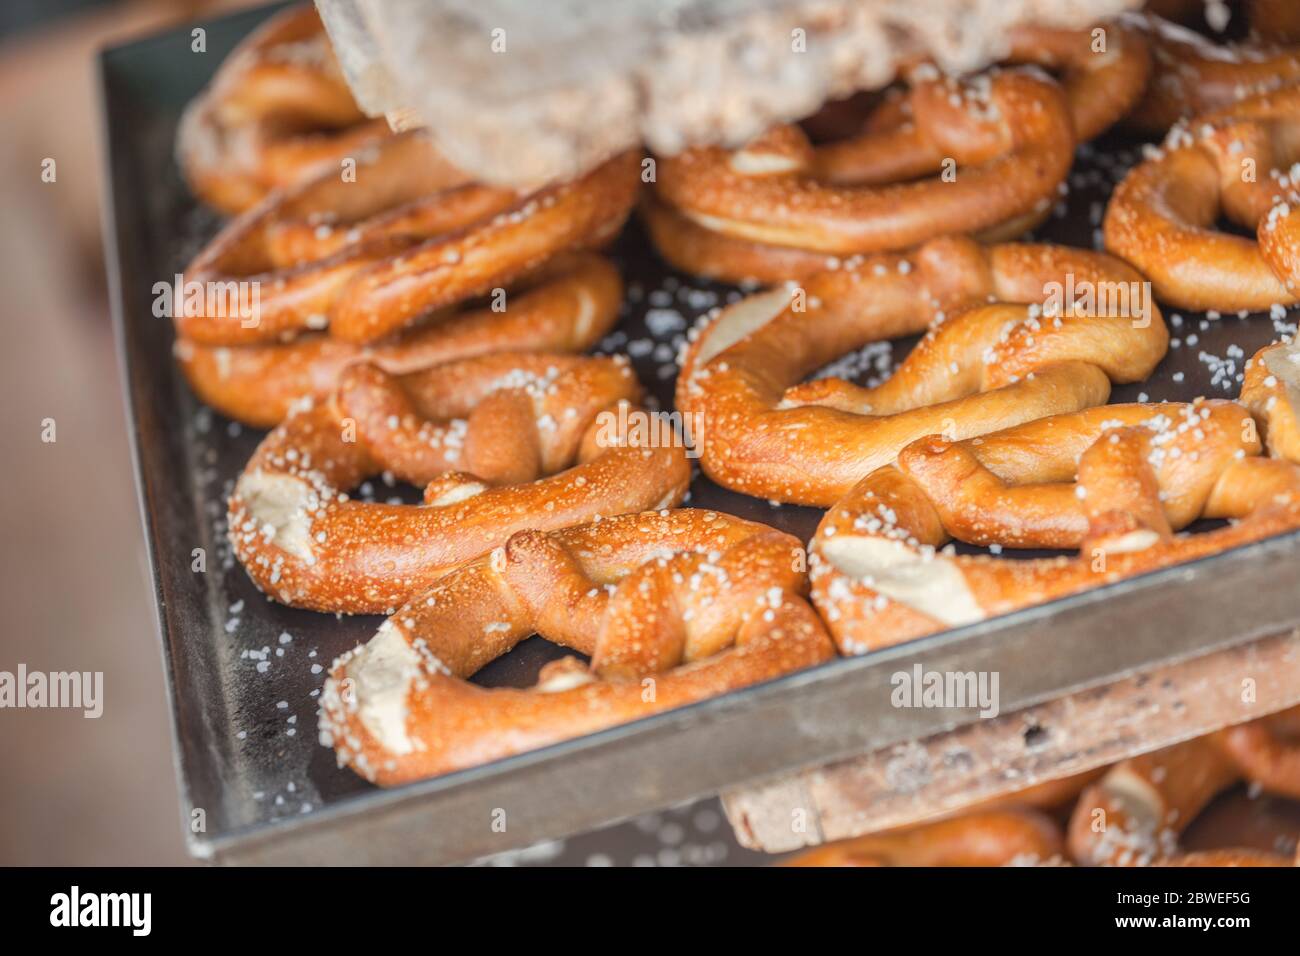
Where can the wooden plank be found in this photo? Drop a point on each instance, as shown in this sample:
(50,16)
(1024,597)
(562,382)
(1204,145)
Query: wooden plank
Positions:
(928,778)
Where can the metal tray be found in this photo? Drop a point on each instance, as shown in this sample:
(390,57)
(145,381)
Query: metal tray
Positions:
(256,785)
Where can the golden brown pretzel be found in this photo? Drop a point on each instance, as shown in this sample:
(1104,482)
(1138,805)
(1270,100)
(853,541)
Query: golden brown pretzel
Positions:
(571,306)
(277,110)
(368,258)
(672,607)
(1271,391)
(1009,134)
(1161,218)
(503,442)
(1192,74)
(989,838)
(982,369)
(1134,814)
(1103,73)
(1114,481)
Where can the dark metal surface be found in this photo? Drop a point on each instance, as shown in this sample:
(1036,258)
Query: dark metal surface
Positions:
(244,673)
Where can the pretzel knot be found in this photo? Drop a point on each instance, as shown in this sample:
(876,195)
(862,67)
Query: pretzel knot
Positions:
(1009,135)
(1139,473)
(975,370)
(1017,837)
(1235,163)
(277,110)
(672,607)
(368,258)
(1193,75)
(1135,814)
(567,307)
(503,443)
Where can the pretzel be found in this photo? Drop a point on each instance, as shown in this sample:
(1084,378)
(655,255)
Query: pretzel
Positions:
(1009,133)
(368,258)
(1161,217)
(569,309)
(1140,473)
(982,369)
(672,607)
(277,110)
(503,443)
(992,838)
(1271,390)
(1192,75)
(1135,814)
(1100,86)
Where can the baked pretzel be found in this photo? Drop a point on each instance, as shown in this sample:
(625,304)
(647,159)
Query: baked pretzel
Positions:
(1100,87)
(1139,473)
(568,309)
(1161,218)
(1009,133)
(672,607)
(1135,814)
(277,110)
(368,258)
(991,838)
(1271,391)
(979,370)
(502,442)
(1192,75)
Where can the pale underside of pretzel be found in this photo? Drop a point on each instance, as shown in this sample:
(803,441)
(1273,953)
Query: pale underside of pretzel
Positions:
(1192,75)
(1162,217)
(1113,481)
(568,308)
(502,442)
(1135,814)
(672,607)
(980,369)
(277,110)
(366,258)
(1010,137)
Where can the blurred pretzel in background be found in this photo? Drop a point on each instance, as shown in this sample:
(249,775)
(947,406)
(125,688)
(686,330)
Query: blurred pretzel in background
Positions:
(1131,816)
(276,110)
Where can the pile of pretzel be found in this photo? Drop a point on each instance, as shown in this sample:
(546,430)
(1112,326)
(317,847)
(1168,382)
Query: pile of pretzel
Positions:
(1130,814)
(415,323)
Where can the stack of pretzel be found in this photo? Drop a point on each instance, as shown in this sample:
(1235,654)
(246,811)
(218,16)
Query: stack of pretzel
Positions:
(414,322)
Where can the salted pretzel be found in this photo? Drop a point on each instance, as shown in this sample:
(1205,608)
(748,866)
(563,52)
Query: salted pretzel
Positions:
(672,607)
(1135,814)
(1009,134)
(980,369)
(1237,163)
(367,257)
(1271,391)
(990,838)
(1103,72)
(502,443)
(277,110)
(1114,481)
(569,308)
(1192,74)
